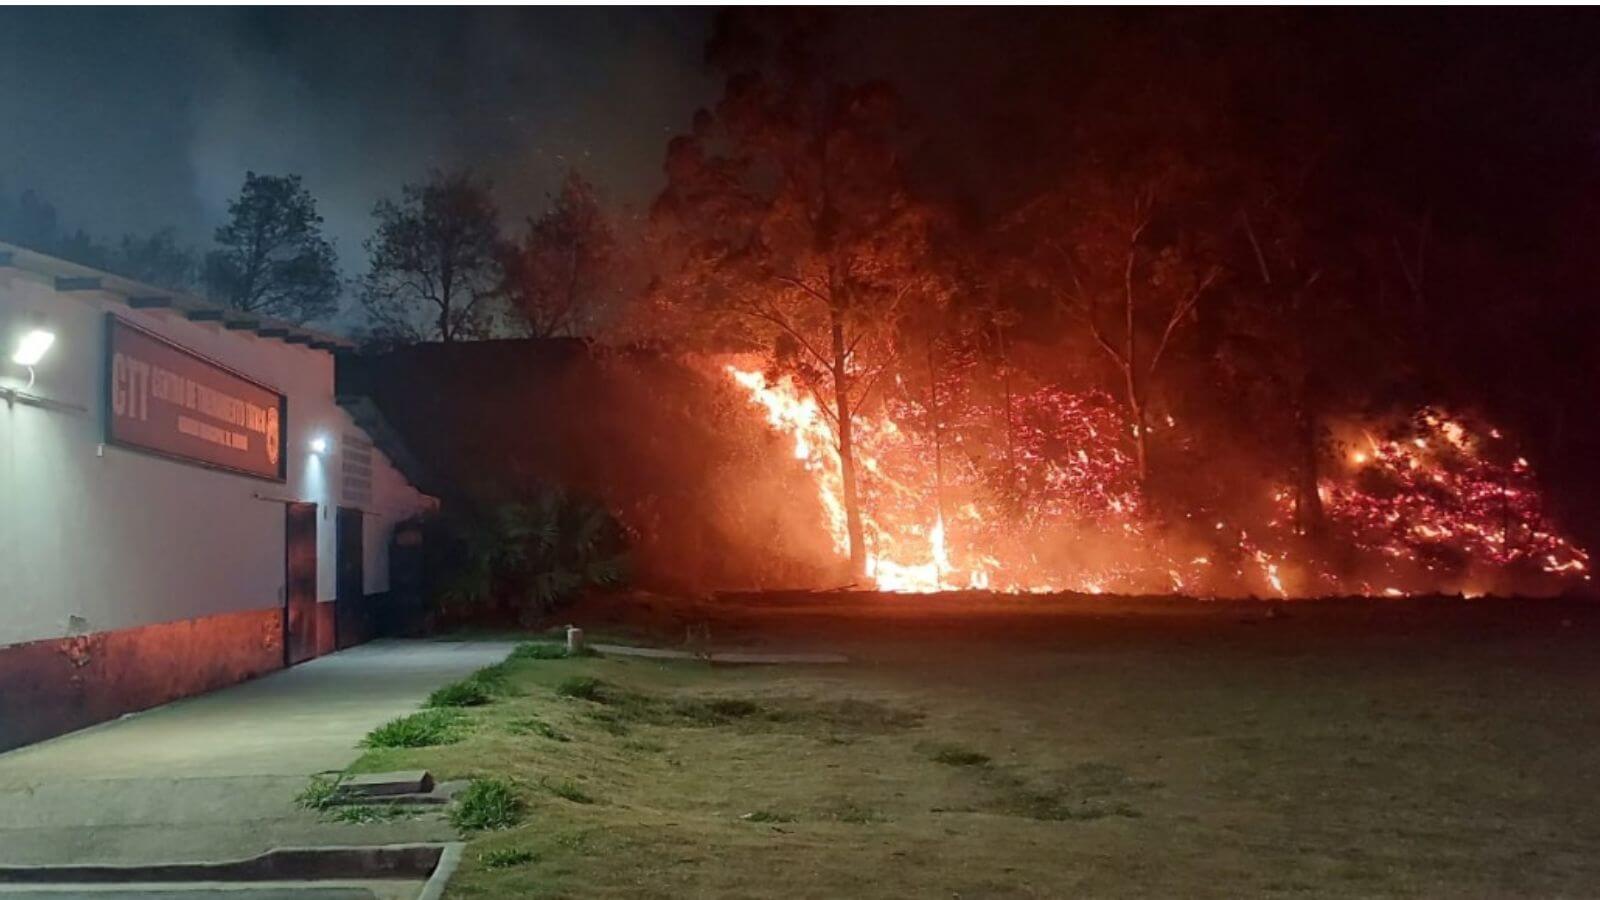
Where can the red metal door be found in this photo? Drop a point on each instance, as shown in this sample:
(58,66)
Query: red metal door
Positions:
(300,584)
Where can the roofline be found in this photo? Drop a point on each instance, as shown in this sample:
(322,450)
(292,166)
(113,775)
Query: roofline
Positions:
(366,415)
(69,277)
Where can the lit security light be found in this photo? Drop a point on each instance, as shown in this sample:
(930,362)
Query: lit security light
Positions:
(32,347)
(319,445)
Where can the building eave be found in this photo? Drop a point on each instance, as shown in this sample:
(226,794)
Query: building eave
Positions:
(64,276)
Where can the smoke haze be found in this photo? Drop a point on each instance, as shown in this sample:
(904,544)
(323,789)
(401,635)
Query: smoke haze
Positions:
(132,120)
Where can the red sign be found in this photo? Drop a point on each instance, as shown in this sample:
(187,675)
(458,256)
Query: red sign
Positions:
(171,401)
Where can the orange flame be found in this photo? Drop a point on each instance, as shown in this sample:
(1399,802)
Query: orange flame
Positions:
(1436,490)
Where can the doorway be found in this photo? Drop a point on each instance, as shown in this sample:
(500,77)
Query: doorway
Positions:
(300,583)
(352,624)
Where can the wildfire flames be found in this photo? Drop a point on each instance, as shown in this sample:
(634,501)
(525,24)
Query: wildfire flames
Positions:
(1431,508)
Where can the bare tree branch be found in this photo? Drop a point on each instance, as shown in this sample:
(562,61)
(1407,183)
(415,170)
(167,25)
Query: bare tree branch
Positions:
(1179,312)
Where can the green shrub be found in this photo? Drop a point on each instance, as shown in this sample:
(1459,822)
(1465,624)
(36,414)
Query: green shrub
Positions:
(610,721)
(466,692)
(540,552)
(567,790)
(486,803)
(1052,807)
(539,650)
(959,756)
(495,678)
(535,725)
(712,712)
(428,728)
(505,858)
(320,793)
(853,813)
(733,708)
(584,687)
(365,814)
(478,689)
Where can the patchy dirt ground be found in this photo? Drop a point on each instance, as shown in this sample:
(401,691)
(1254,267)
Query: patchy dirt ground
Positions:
(1049,747)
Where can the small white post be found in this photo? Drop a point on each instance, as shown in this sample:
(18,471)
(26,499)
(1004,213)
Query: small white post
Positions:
(574,640)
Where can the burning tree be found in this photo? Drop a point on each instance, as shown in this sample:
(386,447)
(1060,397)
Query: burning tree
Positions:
(1110,245)
(789,229)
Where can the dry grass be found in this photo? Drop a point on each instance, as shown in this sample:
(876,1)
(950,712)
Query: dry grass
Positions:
(1131,760)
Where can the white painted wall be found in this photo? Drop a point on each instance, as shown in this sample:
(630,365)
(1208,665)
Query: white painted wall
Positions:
(117,538)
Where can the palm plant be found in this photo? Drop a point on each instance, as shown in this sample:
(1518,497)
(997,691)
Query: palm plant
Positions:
(538,552)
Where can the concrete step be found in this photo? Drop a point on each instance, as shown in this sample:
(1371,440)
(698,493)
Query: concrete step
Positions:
(384,784)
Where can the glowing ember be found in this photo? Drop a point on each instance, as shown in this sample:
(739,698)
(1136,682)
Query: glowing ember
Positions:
(1445,500)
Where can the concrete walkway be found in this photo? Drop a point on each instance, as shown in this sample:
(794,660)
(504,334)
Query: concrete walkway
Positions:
(214,777)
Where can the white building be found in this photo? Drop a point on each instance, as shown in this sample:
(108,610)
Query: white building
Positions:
(183,504)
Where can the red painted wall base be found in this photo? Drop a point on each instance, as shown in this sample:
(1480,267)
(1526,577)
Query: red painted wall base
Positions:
(54,686)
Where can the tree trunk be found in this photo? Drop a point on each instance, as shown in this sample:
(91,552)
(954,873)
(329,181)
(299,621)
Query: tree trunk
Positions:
(936,420)
(444,316)
(446,300)
(1308,512)
(1011,425)
(847,452)
(1141,447)
(1130,372)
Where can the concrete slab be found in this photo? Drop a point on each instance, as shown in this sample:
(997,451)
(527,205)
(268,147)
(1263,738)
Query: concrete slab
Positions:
(384,784)
(214,777)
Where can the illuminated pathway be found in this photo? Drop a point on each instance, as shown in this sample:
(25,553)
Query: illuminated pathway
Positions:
(214,776)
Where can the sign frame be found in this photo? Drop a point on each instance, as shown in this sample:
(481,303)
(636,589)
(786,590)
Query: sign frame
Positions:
(113,322)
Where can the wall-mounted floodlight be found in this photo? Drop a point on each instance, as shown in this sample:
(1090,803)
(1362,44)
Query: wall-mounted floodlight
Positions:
(32,347)
(319,445)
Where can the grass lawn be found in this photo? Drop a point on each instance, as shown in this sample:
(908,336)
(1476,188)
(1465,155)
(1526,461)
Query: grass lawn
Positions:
(1381,750)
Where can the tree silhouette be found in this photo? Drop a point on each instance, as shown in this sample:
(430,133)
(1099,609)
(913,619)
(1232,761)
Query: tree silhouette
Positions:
(271,256)
(557,276)
(158,259)
(435,261)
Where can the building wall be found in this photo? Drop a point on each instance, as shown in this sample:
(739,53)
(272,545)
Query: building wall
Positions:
(105,550)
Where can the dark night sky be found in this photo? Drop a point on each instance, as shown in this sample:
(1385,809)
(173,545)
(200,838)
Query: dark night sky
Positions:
(129,120)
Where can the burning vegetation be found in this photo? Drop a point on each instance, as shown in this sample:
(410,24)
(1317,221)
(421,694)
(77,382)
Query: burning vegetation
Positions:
(1041,495)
